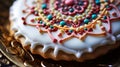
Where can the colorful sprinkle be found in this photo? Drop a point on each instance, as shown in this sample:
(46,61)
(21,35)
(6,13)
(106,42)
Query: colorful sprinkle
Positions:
(86,21)
(104,17)
(97,2)
(44,6)
(51,26)
(71,9)
(69,2)
(70,30)
(94,16)
(62,23)
(85,29)
(81,3)
(49,17)
(40,22)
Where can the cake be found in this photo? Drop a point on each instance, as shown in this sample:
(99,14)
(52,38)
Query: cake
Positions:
(66,29)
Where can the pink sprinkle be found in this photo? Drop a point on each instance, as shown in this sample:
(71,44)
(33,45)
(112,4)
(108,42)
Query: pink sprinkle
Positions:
(69,2)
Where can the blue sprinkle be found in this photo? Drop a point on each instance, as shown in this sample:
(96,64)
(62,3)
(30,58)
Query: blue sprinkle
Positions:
(97,2)
(44,6)
(104,17)
(106,0)
(94,16)
(62,23)
(71,9)
(81,3)
(86,21)
(49,17)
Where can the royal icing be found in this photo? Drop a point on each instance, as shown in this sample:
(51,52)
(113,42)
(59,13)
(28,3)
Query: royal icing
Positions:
(73,26)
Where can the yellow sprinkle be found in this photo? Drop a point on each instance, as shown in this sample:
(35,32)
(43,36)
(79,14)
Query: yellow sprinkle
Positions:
(75,20)
(69,18)
(63,16)
(79,16)
(71,28)
(81,27)
(48,23)
(107,13)
(93,21)
(99,22)
(106,3)
(102,6)
(76,17)
(83,14)
(36,9)
(65,26)
(55,25)
(59,14)
(85,25)
(46,19)
(57,17)
(77,29)
(87,10)
(39,18)
(42,14)
(36,18)
(56,12)
(52,9)
(61,30)
(89,7)
(40,11)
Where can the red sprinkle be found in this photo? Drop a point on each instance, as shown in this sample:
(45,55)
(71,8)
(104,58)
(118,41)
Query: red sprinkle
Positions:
(24,23)
(55,40)
(23,18)
(60,41)
(24,11)
(59,34)
(33,7)
(32,11)
(32,20)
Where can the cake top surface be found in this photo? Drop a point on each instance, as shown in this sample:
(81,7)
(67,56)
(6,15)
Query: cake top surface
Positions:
(72,25)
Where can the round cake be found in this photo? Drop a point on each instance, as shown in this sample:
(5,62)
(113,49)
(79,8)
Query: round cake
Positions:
(66,29)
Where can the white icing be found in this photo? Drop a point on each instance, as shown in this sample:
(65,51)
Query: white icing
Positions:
(72,46)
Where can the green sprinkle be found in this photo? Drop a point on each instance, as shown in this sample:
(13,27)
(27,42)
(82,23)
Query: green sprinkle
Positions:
(70,30)
(51,26)
(41,22)
(85,28)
